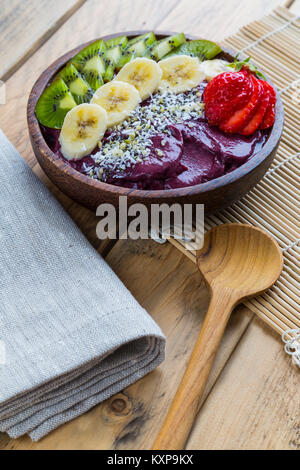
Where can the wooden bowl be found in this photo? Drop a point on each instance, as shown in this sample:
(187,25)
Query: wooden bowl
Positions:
(215,194)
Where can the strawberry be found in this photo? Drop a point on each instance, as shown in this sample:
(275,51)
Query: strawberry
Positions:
(259,113)
(226,93)
(242,116)
(239,101)
(269,116)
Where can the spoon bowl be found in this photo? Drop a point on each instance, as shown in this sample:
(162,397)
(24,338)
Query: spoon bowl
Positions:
(237,261)
(240,258)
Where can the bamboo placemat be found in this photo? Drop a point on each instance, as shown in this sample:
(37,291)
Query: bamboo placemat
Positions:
(273,42)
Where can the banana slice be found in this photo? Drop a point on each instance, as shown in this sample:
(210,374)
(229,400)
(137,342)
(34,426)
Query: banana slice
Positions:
(119,99)
(212,68)
(144,74)
(180,73)
(82,129)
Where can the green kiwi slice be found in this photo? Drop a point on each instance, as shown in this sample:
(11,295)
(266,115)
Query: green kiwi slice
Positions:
(161,48)
(112,58)
(78,86)
(113,53)
(121,41)
(200,48)
(54,103)
(91,63)
(125,57)
(139,45)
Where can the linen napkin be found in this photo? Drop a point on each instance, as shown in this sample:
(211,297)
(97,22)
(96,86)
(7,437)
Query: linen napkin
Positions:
(71,334)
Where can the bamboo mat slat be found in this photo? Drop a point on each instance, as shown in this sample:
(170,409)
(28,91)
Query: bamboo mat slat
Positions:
(274,204)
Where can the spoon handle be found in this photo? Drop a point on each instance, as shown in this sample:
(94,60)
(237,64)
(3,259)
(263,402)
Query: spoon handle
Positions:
(180,418)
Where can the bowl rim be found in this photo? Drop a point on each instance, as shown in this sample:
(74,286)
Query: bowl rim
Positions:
(39,141)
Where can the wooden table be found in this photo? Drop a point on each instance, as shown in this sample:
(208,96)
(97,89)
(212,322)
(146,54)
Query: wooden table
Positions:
(252,399)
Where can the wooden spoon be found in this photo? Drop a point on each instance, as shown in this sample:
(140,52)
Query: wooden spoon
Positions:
(237,261)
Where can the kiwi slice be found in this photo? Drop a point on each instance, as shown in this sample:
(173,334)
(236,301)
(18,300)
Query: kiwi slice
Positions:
(113,55)
(200,48)
(125,57)
(121,41)
(137,47)
(91,63)
(78,86)
(161,48)
(54,103)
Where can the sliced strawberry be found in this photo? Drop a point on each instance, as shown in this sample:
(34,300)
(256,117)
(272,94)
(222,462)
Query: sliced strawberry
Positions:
(269,117)
(259,113)
(241,117)
(226,93)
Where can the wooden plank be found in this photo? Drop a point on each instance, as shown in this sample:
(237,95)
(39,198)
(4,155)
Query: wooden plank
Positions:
(256,403)
(24,26)
(170,288)
(295,7)
(218,19)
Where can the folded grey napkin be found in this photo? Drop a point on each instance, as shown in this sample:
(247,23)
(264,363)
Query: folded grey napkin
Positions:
(71,334)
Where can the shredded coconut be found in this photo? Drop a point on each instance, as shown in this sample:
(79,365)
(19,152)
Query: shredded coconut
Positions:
(129,142)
